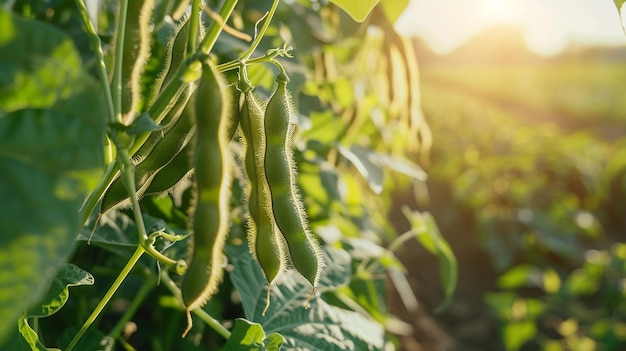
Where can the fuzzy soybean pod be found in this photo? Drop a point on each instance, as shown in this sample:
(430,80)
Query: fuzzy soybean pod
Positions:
(159,158)
(281,176)
(210,221)
(266,242)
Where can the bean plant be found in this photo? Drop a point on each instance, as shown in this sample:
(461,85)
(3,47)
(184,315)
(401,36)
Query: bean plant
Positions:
(207,174)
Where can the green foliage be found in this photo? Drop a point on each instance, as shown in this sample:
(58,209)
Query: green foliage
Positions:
(248,336)
(87,126)
(51,156)
(358,10)
(57,295)
(341,328)
(539,197)
(425,229)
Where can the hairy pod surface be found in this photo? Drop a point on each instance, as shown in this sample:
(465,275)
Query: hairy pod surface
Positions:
(163,152)
(264,237)
(136,53)
(281,176)
(210,220)
(176,171)
(175,54)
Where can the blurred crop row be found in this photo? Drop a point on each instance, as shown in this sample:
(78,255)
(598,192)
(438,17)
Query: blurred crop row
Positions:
(532,160)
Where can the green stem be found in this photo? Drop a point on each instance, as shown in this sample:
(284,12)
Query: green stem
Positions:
(90,204)
(202,314)
(128,179)
(107,297)
(261,34)
(140,296)
(216,28)
(119,61)
(175,87)
(148,245)
(230,65)
(280,67)
(194,27)
(96,46)
(212,322)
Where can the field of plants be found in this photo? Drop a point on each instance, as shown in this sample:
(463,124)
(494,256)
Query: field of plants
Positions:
(187,175)
(527,180)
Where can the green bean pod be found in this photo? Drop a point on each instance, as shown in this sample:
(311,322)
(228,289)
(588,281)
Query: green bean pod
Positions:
(176,171)
(136,52)
(280,170)
(266,242)
(210,220)
(162,153)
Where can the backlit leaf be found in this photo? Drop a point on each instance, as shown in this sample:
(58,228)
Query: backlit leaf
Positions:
(357,9)
(51,156)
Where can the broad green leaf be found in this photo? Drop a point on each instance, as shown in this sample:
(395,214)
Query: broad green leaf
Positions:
(116,232)
(357,9)
(58,293)
(51,156)
(36,70)
(113,230)
(427,233)
(249,336)
(322,326)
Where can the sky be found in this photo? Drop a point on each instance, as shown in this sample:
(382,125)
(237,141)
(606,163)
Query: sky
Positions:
(548,25)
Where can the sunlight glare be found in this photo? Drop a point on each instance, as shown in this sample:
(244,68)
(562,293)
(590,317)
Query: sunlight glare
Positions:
(548,26)
(498,11)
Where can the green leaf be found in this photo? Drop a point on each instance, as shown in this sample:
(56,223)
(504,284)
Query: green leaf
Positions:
(116,232)
(362,159)
(273,342)
(400,165)
(51,156)
(143,124)
(38,64)
(519,276)
(357,9)
(58,293)
(516,334)
(249,336)
(322,326)
(427,233)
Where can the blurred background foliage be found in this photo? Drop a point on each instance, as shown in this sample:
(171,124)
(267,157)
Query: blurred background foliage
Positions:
(527,180)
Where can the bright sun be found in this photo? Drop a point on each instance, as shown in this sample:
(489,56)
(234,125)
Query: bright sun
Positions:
(500,10)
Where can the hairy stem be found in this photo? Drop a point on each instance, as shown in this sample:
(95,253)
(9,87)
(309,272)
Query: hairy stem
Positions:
(194,27)
(119,59)
(216,28)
